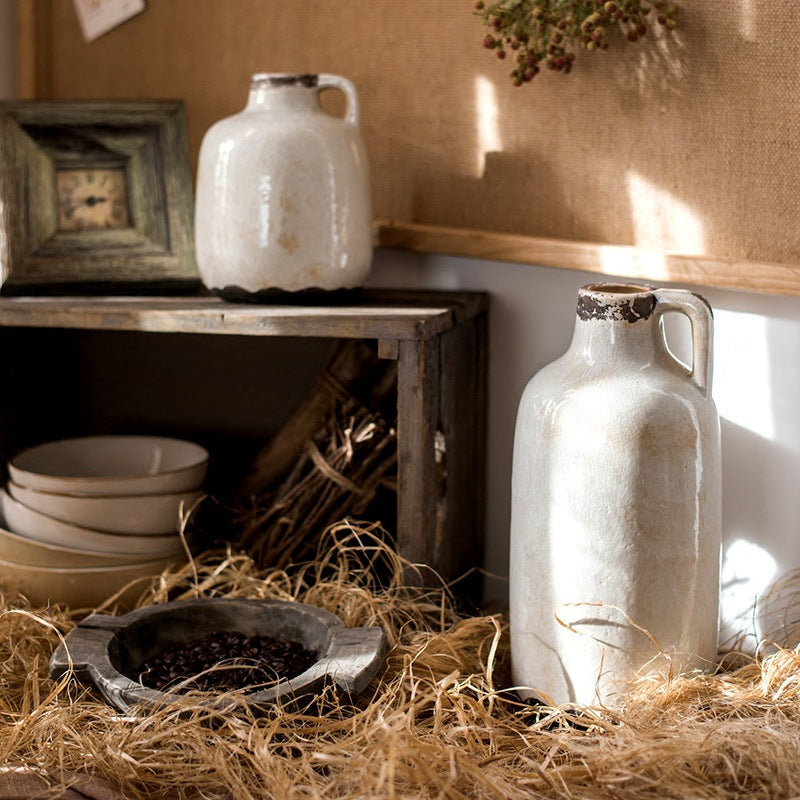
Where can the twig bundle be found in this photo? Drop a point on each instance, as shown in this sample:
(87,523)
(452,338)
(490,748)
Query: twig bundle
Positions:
(328,461)
(337,474)
(438,722)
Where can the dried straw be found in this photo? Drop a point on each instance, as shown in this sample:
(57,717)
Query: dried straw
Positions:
(337,472)
(436,722)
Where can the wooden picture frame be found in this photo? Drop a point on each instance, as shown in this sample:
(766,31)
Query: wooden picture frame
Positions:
(95,197)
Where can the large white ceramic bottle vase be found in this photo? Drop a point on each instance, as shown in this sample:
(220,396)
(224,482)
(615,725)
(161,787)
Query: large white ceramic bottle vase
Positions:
(616,503)
(283,199)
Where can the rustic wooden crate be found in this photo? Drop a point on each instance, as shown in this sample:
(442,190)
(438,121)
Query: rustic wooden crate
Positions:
(437,338)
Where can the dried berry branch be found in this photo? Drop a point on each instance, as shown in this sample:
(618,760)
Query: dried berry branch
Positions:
(547,31)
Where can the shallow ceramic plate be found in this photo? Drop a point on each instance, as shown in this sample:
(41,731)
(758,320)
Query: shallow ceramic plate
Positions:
(79,587)
(111,465)
(27,522)
(23,550)
(144,514)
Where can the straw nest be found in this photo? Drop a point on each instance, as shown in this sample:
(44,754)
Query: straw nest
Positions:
(438,721)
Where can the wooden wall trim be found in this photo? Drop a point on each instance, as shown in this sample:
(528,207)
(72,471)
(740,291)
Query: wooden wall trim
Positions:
(606,259)
(34,31)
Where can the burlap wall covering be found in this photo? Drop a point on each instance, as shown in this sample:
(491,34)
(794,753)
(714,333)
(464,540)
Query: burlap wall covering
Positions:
(690,145)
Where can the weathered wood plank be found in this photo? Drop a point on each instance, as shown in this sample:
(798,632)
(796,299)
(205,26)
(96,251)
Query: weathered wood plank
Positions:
(463,424)
(438,340)
(605,259)
(147,142)
(420,523)
(212,315)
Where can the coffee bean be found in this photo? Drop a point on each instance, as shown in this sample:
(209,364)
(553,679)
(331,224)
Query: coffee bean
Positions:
(229,659)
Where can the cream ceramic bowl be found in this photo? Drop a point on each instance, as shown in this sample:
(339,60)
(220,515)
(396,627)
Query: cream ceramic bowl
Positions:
(80,587)
(111,465)
(143,515)
(27,522)
(22,550)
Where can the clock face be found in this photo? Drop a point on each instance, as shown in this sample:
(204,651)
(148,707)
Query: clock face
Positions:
(92,199)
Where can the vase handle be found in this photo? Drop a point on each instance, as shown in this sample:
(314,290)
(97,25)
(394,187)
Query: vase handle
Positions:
(351,114)
(697,309)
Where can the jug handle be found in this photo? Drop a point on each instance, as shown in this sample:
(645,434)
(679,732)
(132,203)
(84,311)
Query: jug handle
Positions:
(697,309)
(348,90)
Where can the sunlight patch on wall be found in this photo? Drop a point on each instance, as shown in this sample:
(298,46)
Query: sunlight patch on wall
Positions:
(647,265)
(742,375)
(486,120)
(747,20)
(661,222)
(747,570)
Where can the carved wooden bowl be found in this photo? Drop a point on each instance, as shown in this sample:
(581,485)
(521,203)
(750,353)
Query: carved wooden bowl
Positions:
(110,651)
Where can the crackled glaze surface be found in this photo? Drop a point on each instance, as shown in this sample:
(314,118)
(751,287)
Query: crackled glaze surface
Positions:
(283,199)
(616,503)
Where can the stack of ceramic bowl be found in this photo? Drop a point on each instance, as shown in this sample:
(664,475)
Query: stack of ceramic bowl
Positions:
(85,517)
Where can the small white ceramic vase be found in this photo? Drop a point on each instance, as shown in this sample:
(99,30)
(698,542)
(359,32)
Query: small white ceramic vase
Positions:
(616,504)
(283,199)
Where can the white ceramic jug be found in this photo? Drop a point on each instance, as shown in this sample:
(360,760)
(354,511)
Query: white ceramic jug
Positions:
(283,200)
(616,503)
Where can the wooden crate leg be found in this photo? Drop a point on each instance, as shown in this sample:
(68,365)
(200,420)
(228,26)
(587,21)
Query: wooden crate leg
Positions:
(419,523)
(463,424)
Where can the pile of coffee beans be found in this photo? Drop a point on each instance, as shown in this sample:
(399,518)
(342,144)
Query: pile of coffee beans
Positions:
(227,660)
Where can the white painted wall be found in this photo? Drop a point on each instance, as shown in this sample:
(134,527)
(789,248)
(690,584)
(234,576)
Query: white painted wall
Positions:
(756,388)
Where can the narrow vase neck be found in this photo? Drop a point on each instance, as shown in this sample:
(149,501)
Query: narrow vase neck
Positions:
(616,324)
(286,92)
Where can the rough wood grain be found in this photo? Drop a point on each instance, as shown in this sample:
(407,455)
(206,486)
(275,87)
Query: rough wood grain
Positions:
(463,408)
(370,320)
(147,140)
(604,259)
(109,651)
(421,532)
(440,385)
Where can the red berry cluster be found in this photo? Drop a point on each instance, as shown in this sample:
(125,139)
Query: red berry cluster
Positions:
(544,32)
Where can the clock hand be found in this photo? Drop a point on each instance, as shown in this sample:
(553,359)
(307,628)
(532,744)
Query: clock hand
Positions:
(92,201)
